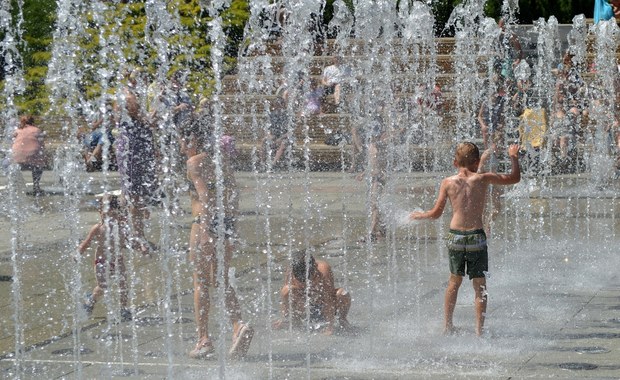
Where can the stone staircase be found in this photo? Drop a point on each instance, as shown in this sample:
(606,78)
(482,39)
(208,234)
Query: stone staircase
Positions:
(246,108)
(245,105)
(242,101)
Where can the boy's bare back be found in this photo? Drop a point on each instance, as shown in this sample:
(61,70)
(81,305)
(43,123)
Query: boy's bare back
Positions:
(467,192)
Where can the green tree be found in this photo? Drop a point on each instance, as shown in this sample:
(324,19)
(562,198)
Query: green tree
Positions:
(123,25)
(532,10)
(36,29)
(188,46)
(442,9)
(175,38)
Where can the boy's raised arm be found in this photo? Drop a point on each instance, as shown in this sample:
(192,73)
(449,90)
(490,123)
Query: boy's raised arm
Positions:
(483,160)
(515,174)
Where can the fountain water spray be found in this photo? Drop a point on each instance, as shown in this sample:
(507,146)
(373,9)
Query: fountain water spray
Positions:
(394,59)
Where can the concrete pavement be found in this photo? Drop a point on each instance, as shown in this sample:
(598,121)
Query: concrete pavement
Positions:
(554,292)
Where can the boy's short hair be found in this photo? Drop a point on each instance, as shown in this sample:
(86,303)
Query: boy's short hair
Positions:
(298,265)
(467,154)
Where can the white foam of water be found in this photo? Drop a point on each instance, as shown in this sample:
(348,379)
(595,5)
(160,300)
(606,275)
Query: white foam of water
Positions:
(401,217)
(397,215)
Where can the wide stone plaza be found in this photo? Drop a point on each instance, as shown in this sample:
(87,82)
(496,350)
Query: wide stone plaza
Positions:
(554,289)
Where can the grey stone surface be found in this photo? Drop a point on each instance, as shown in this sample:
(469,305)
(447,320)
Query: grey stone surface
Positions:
(554,292)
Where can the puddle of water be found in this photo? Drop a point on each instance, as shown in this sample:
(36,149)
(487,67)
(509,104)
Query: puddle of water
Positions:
(578,366)
(591,350)
(69,351)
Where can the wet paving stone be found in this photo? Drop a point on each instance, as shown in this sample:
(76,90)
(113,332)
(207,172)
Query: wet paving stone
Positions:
(70,351)
(591,350)
(155,354)
(126,372)
(150,321)
(578,366)
(595,335)
(159,321)
(112,336)
(540,323)
(184,309)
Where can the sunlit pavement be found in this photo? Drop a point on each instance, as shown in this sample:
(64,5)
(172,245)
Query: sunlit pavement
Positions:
(554,292)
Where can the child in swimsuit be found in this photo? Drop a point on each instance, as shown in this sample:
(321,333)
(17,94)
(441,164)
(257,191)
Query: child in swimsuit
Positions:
(110,236)
(197,144)
(467,240)
(327,304)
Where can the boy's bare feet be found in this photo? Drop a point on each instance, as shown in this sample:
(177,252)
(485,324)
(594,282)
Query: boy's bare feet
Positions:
(145,247)
(285,323)
(344,325)
(241,341)
(278,324)
(450,330)
(204,348)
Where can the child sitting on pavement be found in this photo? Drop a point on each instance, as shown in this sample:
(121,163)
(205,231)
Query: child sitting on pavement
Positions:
(326,303)
(108,260)
(467,241)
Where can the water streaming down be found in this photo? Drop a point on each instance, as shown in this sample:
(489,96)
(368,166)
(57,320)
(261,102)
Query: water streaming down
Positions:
(602,116)
(373,108)
(254,77)
(464,20)
(13,206)
(546,225)
(158,97)
(341,25)
(548,53)
(63,78)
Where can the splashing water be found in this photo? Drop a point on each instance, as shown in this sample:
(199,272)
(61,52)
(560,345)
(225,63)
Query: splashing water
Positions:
(395,215)
(393,63)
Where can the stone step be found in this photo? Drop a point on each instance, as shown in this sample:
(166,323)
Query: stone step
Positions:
(323,157)
(396,69)
(418,65)
(355,46)
(268,84)
(252,111)
(319,156)
(527,34)
(246,127)
(260,104)
(441,63)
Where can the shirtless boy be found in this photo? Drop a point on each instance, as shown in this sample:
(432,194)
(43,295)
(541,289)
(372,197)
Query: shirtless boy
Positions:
(466,241)
(326,302)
